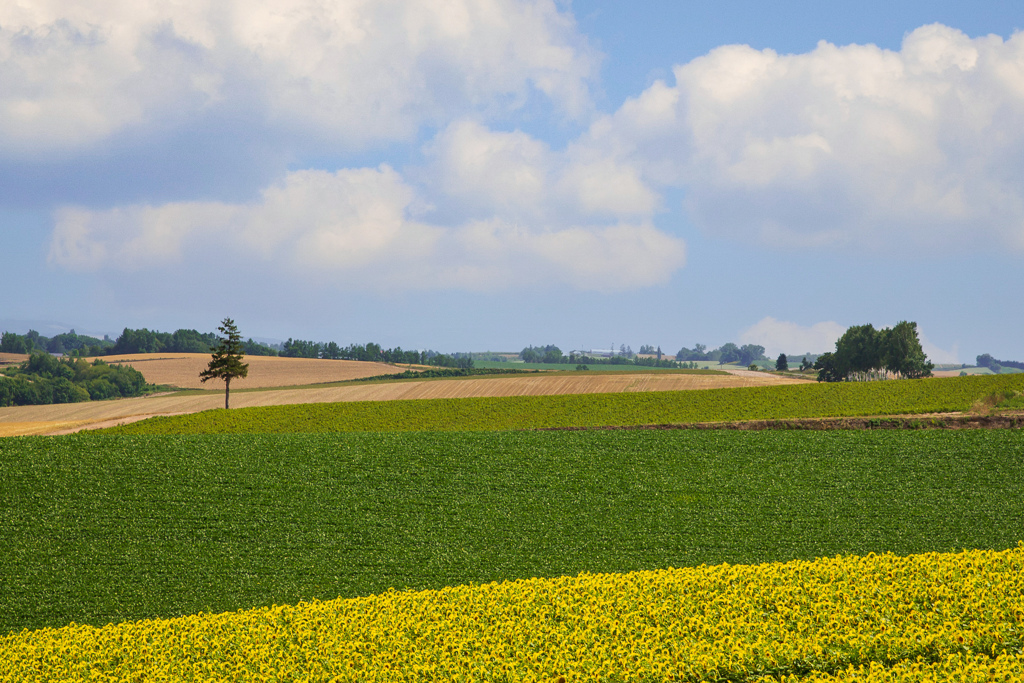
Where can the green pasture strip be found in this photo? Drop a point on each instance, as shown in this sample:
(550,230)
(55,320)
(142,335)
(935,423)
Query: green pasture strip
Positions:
(99,528)
(845,399)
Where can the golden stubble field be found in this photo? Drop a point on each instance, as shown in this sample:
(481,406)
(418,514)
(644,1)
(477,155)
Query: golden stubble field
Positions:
(290,372)
(12,358)
(182,370)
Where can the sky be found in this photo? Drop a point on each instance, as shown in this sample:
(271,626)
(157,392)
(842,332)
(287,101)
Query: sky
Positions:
(470,175)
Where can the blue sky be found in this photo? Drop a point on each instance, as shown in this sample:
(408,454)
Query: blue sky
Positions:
(481,175)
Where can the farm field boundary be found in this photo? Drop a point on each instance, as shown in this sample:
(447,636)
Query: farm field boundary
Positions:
(102,528)
(795,401)
(1009,420)
(936,616)
(48,419)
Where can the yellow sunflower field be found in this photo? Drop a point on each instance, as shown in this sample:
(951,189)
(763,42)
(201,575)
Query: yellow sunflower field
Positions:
(934,616)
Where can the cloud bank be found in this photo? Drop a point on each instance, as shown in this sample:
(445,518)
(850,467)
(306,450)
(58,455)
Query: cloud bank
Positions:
(846,148)
(851,147)
(358,228)
(349,73)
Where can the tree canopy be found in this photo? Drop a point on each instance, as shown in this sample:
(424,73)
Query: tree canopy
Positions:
(226,363)
(864,353)
(726,353)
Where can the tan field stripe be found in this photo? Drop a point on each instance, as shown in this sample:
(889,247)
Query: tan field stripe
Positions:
(182,370)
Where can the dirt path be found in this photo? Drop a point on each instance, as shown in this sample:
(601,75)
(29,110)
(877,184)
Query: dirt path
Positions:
(60,419)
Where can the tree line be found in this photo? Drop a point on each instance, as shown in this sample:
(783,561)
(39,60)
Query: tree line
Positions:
(864,353)
(726,353)
(552,354)
(59,344)
(192,341)
(180,341)
(299,348)
(129,341)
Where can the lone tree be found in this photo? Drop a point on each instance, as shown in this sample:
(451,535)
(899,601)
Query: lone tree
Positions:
(782,363)
(226,363)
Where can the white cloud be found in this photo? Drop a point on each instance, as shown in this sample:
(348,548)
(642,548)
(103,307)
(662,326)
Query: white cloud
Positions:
(606,187)
(355,229)
(497,254)
(779,336)
(345,72)
(485,172)
(133,237)
(937,355)
(488,171)
(314,220)
(845,147)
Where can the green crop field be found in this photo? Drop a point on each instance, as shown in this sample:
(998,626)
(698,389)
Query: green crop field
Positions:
(845,399)
(99,528)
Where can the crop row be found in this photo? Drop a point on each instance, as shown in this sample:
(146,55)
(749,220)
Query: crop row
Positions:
(823,620)
(959,666)
(846,399)
(97,528)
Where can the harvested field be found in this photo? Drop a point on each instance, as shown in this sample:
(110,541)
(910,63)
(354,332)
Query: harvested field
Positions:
(20,420)
(12,358)
(182,370)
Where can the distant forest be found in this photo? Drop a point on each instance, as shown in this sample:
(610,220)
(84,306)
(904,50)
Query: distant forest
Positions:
(727,353)
(130,341)
(987,361)
(191,341)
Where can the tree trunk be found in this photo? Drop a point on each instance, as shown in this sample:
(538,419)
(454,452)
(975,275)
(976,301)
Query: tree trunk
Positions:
(227,390)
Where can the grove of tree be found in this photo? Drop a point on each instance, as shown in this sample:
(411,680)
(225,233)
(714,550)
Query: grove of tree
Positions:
(44,379)
(864,353)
